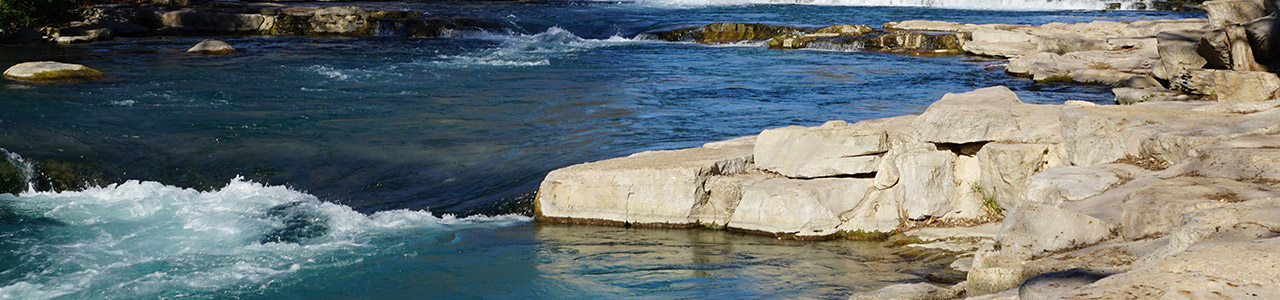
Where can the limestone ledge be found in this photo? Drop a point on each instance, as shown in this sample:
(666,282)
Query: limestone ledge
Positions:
(1134,192)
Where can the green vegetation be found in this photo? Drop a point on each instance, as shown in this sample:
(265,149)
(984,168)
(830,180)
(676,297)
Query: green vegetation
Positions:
(989,203)
(66,75)
(1056,79)
(29,13)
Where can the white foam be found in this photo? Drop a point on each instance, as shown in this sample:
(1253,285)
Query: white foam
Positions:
(527,50)
(194,240)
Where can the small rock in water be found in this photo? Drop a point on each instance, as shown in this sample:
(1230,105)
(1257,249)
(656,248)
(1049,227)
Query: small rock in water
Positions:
(51,71)
(301,221)
(212,47)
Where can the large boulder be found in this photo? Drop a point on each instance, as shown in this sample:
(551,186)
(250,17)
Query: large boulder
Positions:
(1006,169)
(1227,85)
(1178,53)
(986,115)
(51,71)
(211,47)
(1227,12)
(834,149)
(656,187)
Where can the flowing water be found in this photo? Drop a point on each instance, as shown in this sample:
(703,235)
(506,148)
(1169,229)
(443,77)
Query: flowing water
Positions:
(393,167)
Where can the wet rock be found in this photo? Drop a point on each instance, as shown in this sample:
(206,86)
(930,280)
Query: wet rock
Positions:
(12,180)
(84,36)
(211,47)
(51,71)
(717,33)
(299,221)
(909,42)
(1227,85)
(927,25)
(797,41)
(19,35)
(834,149)
(338,20)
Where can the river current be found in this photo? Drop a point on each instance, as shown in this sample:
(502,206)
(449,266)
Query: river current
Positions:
(396,168)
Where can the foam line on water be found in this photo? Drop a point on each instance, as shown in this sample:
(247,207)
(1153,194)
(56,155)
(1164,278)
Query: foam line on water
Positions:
(521,50)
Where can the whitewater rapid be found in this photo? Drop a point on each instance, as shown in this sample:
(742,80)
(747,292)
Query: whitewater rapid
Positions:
(147,240)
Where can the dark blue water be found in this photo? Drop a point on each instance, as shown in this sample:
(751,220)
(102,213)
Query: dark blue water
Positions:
(359,129)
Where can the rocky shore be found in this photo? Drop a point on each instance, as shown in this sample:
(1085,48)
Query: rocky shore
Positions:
(1174,194)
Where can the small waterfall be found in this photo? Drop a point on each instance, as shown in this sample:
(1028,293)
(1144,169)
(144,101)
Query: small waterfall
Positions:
(25,171)
(390,27)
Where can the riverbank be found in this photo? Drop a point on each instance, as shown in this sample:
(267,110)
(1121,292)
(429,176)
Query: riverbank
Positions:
(1132,200)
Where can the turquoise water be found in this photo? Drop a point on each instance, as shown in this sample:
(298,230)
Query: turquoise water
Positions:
(388,167)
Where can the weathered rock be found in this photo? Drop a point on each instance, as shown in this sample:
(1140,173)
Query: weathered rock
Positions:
(1178,53)
(846,29)
(1139,95)
(907,291)
(1053,285)
(211,47)
(1225,271)
(803,208)
(51,71)
(336,20)
(1227,12)
(834,149)
(724,193)
(1228,86)
(1000,43)
(927,181)
(657,187)
(986,115)
(1054,186)
(1215,47)
(1038,229)
(1157,208)
(85,36)
(1007,167)
(913,42)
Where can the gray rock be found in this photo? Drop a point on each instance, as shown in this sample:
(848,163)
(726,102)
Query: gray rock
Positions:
(802,208)
(1227,12)
(1057,185)
(906,291)
(1037,229)
(1056,285)
(1229,86)
(1178,52)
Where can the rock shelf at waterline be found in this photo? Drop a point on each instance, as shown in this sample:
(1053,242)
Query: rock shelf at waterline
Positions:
(1091,201)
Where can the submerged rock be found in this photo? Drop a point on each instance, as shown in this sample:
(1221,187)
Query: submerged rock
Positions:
(52,71)
(211,47)
(300,221)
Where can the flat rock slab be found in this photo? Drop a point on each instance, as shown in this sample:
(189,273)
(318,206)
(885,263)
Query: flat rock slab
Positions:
(656,187)
(803,208)
(51,71)
(834,149)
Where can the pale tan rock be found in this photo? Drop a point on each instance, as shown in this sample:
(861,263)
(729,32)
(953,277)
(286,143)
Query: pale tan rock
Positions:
(1139,95)
(1037,229)
(979,116)
(211,47)
(51,71)
(657,187)
(1057,185)
(1229,86)
(878,213)
(1157,208)
(805,208)
(927,25)
(1000,43)
(927,181)
(906,291)
(1227,12)
(1227,271)
(1007,167)
(1178,53)
(834,149)
(723,195)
